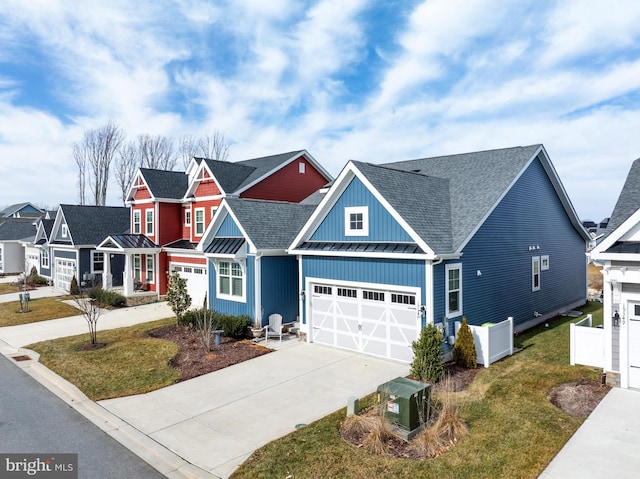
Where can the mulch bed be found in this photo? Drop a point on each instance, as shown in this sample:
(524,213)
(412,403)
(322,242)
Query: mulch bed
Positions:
(193,360)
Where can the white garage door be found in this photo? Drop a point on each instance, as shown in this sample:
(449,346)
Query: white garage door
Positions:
(634,346)
(369,320)
(65,269)
(197,282)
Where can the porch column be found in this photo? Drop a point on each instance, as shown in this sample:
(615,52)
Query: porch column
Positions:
(128,276)
(107,277)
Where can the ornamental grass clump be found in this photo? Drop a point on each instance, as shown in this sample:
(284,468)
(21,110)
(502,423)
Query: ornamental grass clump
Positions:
(464,349)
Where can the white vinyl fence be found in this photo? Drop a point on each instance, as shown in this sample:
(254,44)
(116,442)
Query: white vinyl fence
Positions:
(587,343)
(493,341)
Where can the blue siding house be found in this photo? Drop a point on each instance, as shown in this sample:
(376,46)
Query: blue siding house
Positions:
(76,232)
(392,247)
(250,271)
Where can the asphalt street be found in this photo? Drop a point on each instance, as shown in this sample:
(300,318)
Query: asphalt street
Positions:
(33,420)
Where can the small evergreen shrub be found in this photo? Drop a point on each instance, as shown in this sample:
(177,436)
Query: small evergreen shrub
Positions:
(427,364)
(464,350)
(189,318)
(33,273)
(74,289)
(40,281)
(233,326)
(177,297)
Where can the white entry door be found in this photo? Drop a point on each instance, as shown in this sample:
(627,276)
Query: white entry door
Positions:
(634,345)
(373,320)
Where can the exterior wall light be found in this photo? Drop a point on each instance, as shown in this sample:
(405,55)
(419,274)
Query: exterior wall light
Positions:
(616,319)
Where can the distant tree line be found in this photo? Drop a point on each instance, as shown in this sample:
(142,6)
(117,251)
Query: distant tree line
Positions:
(107,146)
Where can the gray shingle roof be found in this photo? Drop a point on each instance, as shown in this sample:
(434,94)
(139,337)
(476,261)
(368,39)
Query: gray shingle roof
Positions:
(270,224)
(89,225)
(165,184)
(235,176)
(423,201)
(476,182)
(14,229)
(12,209)
(629,199)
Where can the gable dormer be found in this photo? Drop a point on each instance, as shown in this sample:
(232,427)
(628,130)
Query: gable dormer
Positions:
(139,190)
(60,233)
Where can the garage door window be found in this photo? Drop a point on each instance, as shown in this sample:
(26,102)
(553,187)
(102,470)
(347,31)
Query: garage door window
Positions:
(230,280)
(322,289)
(373,295)
(403,299)
(348,292)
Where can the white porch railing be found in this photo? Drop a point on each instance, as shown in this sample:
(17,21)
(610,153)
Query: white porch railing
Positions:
(492,341)
(587,343)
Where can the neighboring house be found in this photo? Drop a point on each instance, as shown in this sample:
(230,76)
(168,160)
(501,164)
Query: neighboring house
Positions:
(76,232)
(619,251)
(251,272)
(21,210)
(172,210)
(486,235)
(41,241)
(14,232)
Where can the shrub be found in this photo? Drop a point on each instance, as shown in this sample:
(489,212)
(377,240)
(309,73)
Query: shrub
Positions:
(233,326)
(177,297)
(33,273)
(464,350)
(108,298)
(189,318)
(427,364)
(74,289)
(40,281)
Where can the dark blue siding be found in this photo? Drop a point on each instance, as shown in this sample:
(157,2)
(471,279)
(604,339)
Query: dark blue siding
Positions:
(66,254)
(382,226)
(234,307)
(279,287)
(84,265)
(229,229)
(529,215)
(117,269)
(401,272)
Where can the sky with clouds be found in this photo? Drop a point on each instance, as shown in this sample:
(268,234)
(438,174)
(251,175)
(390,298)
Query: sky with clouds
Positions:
(374,81)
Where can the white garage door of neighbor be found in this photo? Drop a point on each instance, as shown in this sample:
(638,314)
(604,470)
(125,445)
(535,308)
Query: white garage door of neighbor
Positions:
(372,321)
(197,282)
(634,346)
(64,273)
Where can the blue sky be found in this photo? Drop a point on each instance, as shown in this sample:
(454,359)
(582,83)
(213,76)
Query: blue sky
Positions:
(370,81)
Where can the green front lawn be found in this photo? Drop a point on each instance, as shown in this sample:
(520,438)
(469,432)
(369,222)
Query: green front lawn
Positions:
(514,430)
(41,309)
(131,362)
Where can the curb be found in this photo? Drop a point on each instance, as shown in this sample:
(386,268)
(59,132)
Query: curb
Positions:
(155,454)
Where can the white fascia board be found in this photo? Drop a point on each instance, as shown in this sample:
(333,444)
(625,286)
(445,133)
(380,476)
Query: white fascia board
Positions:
(132,189)
(618,257)
(354,254)
(191,253)
(195,182)
(616,235)
(252,247)
(60,220)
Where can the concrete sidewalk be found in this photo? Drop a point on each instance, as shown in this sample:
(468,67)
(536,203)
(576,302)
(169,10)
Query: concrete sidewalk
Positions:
(41,292)
(606,445)
(21,335)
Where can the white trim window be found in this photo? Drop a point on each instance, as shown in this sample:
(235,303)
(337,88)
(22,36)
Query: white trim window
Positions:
(150,267)
(213,211)
(453,287)
(301,167)
(44,258)
(137,267)
(356,221)
(97,261)
(544,262)
(535,273)
(136,222)
(231,280)
(187,217)
(148,222)
(199,222)
(64,231)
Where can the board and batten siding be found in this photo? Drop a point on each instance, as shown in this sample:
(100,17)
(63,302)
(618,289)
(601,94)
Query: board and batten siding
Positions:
(497,261)
(398,272)
(228,228)
(226,306)
(382,226)
(279,287)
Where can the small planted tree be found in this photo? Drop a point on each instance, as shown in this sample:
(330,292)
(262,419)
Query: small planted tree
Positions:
(464,350)
(74,289)
(177,296)
(427,364)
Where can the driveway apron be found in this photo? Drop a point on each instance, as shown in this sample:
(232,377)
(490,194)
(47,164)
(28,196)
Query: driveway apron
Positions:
(216,421)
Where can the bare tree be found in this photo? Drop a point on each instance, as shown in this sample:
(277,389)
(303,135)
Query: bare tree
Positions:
(187,149)
(156,152)
(81,161)
(96,152)
(91,311)
(126,166)
(214,147)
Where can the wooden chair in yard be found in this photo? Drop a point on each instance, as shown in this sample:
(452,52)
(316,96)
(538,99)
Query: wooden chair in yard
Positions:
(274,328)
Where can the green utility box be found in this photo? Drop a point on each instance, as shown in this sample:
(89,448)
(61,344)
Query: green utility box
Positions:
(405,402)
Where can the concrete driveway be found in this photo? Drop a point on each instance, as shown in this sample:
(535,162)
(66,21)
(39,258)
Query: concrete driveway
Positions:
(216,421)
